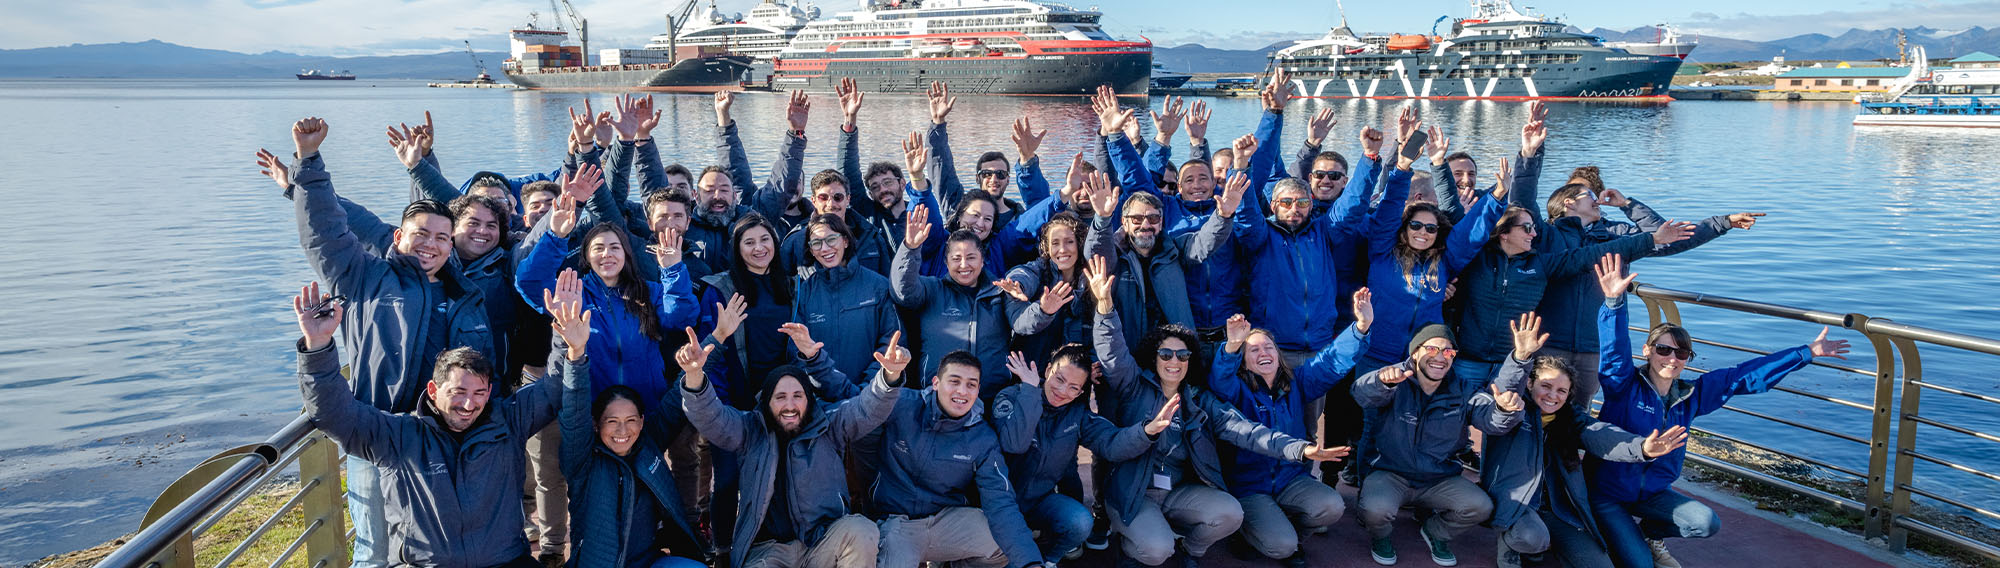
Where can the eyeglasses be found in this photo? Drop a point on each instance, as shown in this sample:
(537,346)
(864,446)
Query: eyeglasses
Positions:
(1002,174)
(831,197)
(1415,225)
(823,242)
(1175,354)
(1332,175)
(1434,350)
(1149,218)
(887,183)
(1681,353)
(1293,201)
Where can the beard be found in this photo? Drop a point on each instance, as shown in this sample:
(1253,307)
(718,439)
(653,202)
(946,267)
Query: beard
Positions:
(1145,240)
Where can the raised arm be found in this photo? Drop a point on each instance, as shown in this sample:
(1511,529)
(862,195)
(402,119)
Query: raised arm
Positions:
(1223,375)
(361,429)
(1377,388)
(1470,234)
(1760,375)
(1316,130)
(908,288)
(1121,371)
(1614,353)
(1527,170)
(729,153)
(333,250)
(938,141)
(1324,371)
(1496,412)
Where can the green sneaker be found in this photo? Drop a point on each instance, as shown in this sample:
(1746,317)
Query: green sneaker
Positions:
(1440,548)
(1383,551)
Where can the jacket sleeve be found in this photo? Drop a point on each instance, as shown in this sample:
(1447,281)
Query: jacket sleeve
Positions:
(1302,161)
(675,302)
(996,498)
(1028,317)
(1755,376)
(1231,426)
(1579,260)
(1513,375)
(909,289)
(1262,165)
(855,417)
(539,269)
(1029,179)
(362,430)
(1704,231)
(730,156)
(1608,441)
(1114,443)
(1018,237)
(1614,346)
(579,428)
(1251,230)
(652,172)
(1101,240)
(1642,215)
(945,177)
(1223,379)
(1324,371)
(1017,414)
(1486,415)
(1527,174)
(1129,168)
(618,173)
(531,408)
(1349,214)
(1388,218)
(427,183)
(831,383)
(723,426)
(332,249)
(1370,392)
(782,187)
(911,199)
(1204,242)
(1446,189)
(848,151)
(1157,158)
(601,207)
(375,237)
(1198,150)
(1469,236)
(1121,371)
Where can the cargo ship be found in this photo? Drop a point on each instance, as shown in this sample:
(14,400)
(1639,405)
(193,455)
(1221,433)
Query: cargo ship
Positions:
(540,60)
(993,47)
(1497,53)
(317,75)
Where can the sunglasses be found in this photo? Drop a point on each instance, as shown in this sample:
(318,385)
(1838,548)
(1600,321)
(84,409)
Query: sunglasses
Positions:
(831,197)
(1413,225)
(1434,350)
(1681,353)
(1332,175)
(1002,174)
(1148,218)
(1293,201)
(1175,354)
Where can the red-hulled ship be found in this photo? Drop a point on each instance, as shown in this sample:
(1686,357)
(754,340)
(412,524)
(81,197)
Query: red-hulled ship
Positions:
(995,47)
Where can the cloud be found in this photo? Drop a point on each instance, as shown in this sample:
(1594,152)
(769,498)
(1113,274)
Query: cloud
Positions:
(1894,15)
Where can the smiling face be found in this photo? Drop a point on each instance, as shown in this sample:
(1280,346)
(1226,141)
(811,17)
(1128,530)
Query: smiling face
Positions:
(1326,185)
(1197,181)
(1551,390)
(887,190)
(717,196)
(1291,206)
(427,237)
(1464,173)
(668,215)
(993,176)
(605,253)
(1063,384)
(1170,369)
(1433,359)
(830,199)
(826,246)
(788,405)
(957,388)
(539,203)
(1584,206)
(978,218)
(1059,243)
(499,194)
(1142,224)
(1425,235)
(476,233)
(459,398)
(618,428)
(1261,356)
(964,262)
(1666,367)
(1521,236)
(756,249)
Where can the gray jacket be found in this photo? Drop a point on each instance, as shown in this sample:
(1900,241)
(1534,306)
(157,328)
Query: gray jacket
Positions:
(1518,461)
(453,500)
(1040,441)
(951,317)
(848,308)
(1416,435)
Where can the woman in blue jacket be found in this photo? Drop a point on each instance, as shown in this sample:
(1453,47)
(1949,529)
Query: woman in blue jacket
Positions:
(962,311)
(631,313)
(1041,294)
(1280,498)
(846,305)
(1655,397)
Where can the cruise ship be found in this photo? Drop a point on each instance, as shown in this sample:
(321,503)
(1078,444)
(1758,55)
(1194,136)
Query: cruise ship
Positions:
(1497,53)
(994,47)
(761,34)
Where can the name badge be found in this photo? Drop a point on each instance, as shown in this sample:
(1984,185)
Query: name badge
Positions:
(1161,481)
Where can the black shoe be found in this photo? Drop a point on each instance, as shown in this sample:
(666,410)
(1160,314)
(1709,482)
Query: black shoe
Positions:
(1100,538)
(1240,548)
(1297,560)
(550,560)
(1188,559)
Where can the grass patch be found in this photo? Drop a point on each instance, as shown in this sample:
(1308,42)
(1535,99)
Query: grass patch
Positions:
(212,546)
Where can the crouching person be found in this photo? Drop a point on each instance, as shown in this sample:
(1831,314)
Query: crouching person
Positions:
(793,511)
(1533,473)
(942,487)
(1419,425)
(1041,422)
(452,470)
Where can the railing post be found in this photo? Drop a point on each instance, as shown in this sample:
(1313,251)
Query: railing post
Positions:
(1659,310)
(1906,442)
(1878,520)
(324,503)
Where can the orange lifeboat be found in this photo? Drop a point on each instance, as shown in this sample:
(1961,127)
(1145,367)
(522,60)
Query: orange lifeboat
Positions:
(1401,42)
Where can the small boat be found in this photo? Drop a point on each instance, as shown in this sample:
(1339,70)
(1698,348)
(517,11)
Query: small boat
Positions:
(1164,79)
(1943,97)
(317,75)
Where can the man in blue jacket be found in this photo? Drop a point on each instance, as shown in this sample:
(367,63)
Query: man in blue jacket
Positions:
(1419,426)
(452,468)
(943,493)
(793,510)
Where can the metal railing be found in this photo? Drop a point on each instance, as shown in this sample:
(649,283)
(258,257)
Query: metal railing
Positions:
(1894,423)
(204,496)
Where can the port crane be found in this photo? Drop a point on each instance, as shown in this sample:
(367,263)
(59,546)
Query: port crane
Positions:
(483,76)
(561,8)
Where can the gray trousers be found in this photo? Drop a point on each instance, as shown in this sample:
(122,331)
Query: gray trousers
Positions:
(1200,515)
(1271,524)
(956,534)
(548,493)
(1459,504)
(1529,535)
(1584,385)
(849,542)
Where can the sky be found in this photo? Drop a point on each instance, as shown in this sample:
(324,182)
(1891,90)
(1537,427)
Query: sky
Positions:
(396,27)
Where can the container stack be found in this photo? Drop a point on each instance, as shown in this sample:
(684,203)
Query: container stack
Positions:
(540,57)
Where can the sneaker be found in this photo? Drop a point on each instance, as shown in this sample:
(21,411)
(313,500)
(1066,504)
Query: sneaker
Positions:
(1440,548)
(1100,539)
(1383,551)
(1662,558)
(1074,554)
(1505,557)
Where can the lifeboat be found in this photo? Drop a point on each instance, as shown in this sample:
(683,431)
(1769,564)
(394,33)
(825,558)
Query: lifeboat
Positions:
(1401,42)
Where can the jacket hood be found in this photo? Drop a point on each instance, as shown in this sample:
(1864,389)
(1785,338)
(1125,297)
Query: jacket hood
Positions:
(496,177)
(938,421)
(771,385)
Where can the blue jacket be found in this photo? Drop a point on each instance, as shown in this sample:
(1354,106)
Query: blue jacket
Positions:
(1519,464)
(1040,441)
(1174,257)
(620,354)
(453,500)
(817,484)
(1203,419)
(1255,474)
(871,247)
(1631,403)
(930,462)
(1417,435)
(1569,307)
(1407,299)
(848,309)
(602,488)
(1289,267)
(389,314)
(951,317)
(1038,333)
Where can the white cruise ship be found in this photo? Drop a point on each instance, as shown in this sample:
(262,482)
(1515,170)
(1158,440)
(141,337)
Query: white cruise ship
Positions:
(761,34)
(1002,47)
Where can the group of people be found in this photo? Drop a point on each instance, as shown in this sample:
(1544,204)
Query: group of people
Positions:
(886,366)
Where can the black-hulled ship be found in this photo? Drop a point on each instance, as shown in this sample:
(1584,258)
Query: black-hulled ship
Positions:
(540,60)
(1498,53)
(994,47)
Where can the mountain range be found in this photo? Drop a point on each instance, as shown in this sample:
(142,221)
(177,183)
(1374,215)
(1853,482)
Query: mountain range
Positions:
(157,59)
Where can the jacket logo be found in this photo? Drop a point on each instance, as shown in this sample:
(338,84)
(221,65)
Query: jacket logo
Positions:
(962,457)
(954,312)
(434,468)
(1071,428)
(815,318)
(654,467)
(1528,271)
(903,446)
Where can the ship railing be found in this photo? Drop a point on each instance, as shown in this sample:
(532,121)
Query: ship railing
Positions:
(1878,480)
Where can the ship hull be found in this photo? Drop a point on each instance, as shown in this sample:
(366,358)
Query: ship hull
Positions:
(325,77)
(1596,75)
(1055,74)
(688,75)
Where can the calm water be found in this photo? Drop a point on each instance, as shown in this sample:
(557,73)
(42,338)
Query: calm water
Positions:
(149,267)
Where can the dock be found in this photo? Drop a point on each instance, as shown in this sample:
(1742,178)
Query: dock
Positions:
(1711,94)
(1187,92)
(471,85)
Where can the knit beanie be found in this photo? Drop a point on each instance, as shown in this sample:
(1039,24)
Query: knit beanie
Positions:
(1427,333)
